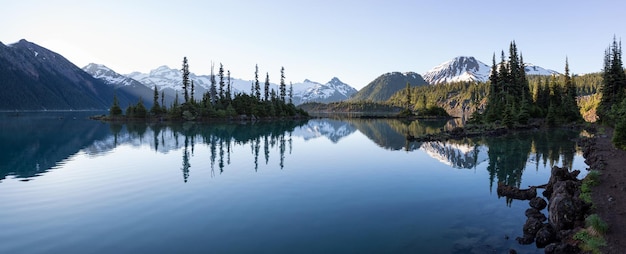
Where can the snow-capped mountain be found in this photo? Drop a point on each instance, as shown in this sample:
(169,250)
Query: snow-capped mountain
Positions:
(469,69)
(109,76)
(333,91)
(123,83)
(459,69)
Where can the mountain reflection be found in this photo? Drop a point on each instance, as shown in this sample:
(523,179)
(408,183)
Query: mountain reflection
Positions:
(34,144)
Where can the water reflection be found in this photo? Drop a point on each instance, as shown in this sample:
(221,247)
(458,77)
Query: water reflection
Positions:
(219,137)
(32,143)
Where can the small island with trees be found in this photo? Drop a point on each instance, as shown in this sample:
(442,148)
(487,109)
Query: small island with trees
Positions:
(217,104)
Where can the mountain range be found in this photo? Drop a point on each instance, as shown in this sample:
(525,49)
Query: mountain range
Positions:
(168,80)
(35,78)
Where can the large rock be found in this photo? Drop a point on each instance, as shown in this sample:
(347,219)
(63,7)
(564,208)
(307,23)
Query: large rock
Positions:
(566,209)
(546,235)
(538,203)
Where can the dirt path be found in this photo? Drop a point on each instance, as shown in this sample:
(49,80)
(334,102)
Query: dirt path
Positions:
(609,196)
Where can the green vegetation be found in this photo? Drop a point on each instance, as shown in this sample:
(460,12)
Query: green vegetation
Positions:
(612,106)
(590,242)
(510,101)
(457,98)
(214,104)
(590,180)
(591,238)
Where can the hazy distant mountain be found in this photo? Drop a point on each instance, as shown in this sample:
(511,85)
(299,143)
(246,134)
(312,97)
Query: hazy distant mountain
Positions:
(122,82)
(170,80)
(35,78)
(459,69)
(469,69)
(383,87)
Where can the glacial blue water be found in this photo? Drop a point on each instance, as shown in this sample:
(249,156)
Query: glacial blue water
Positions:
(73,185)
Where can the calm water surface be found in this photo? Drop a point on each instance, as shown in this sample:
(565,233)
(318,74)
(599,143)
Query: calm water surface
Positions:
(71,185)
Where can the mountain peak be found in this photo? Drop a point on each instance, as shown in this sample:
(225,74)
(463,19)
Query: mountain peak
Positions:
(459,69)
(335,80)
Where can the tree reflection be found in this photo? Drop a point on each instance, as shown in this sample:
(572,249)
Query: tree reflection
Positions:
(219,138)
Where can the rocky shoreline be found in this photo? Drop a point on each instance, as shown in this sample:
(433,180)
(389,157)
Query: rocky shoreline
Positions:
(566,211)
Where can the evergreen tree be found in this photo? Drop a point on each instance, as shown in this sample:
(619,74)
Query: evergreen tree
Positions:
(139,110)
(267,87)
(571,112)
(163,109)
(290,93)
(228,88)
(220,73)
(257,86)
(213,88)
(283,88)
(115,108)
(156,108)
(408,96)
(185,71)
(193,88)
(613,83)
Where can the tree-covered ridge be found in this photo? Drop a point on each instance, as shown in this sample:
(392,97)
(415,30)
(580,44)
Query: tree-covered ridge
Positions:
(458,99)
(384,86)
(217,102)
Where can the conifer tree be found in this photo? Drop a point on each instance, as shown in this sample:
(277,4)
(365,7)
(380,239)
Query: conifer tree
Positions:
(213,88)
(613,83)
(156,108)
(290,93)
(408,96)
(228,88)
(283,88)
(257,86)
(115,108)
(220,73)
(163,109)
(139,110)
(193,88)
(267,87)
(185,71)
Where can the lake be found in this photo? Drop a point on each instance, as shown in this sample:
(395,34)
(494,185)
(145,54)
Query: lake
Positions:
(73,185)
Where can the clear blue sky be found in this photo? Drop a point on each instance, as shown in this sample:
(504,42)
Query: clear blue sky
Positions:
(355,41)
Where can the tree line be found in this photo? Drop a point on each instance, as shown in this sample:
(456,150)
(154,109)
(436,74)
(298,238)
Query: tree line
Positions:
(218,102)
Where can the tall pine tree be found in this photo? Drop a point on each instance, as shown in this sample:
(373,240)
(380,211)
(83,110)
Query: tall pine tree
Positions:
(185,71)
(283,88)
(257,86)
